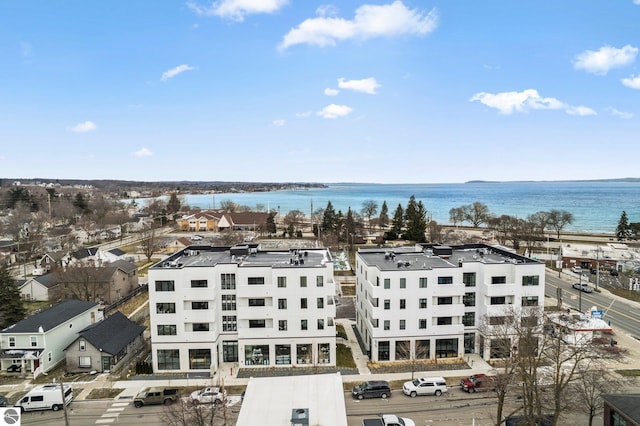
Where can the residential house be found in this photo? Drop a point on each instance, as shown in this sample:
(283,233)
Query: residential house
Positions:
(243,221)
(37,342)
(427,301)
(621,409)
(53,261)
(87,256)
(243,307)
(199,221)
(108,256)
(178,244)
(39,288)
(105,346)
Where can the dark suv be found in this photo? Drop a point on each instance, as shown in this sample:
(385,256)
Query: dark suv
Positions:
(372,389)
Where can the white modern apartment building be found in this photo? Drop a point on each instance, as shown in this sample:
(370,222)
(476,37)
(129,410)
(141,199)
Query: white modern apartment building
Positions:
(240,305)
(427,301)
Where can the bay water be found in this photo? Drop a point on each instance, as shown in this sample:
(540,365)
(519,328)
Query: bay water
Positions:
(596,205)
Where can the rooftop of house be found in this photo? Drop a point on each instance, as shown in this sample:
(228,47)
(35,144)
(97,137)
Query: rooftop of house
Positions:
(48,319)
(113,334)
(248,255)
(628,404)
(432,256)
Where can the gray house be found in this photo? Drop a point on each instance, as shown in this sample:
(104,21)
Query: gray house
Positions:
(105,346)
(36,344)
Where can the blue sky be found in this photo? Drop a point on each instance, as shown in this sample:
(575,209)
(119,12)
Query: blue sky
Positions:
(311,91)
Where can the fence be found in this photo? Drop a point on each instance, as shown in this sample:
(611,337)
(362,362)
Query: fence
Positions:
(140,289)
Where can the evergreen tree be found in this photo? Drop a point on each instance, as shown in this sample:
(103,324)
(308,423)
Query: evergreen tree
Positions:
(623,230)
(174,203)
(349,227)
(80,203)
(11,308)
(416,222)
(271,223)
(383,219)
(329,219)
(339,226)
(398,221)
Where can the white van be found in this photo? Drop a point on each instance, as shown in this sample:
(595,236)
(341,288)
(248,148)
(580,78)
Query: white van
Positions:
(45,397)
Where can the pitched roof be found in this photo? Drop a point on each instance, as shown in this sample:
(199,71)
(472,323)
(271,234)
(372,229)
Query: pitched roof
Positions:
(50,318)
(85,252)
(117,252)
(113,334)
(628,404)
(123,265)
(248,218)
(49,280)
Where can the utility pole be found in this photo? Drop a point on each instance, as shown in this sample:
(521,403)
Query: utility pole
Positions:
(597,266)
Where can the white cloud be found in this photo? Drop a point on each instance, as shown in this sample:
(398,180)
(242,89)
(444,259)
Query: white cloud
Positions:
(509,102)
(144,152)
(327,10)
(304,114)
(366,85)
(335,111)
(87,126)
(279,123)
(175,71)
(632,81)
(370,21)
(622,114)
(331,92)
(237,9)
(636,1)
(601,61)
(580,110)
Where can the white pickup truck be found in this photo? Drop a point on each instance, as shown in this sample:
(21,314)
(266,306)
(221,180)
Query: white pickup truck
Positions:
(388,420)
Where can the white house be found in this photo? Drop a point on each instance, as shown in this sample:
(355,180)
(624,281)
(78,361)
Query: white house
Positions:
(37,342)
(242,306)
(426,301)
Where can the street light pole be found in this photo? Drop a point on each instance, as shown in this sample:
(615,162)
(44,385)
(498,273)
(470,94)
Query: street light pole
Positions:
(580,304)
(597,266)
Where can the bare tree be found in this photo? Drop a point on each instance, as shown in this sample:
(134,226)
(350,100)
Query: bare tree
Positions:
(558,219)
(456,215)
(83,282)
(150,243)
(186,412)
(435,231)
(476,213)
(369,209)
(589,389)
(293,220)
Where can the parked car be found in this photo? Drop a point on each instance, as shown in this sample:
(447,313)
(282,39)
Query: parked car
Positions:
(583,287)
(155,396)
(477,383)
(211,395)
(425,386)
(613,272)
(576,269)
(372,389)
(388,420)
(14,368)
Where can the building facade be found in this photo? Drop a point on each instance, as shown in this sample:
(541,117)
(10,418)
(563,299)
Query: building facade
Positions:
(240,305)
(428,301)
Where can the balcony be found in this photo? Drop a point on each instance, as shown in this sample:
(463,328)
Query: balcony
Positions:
(456,310)
(500,289)
(448,289)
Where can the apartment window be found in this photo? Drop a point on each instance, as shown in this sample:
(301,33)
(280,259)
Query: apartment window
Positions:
(255,280)
(319,281)
(499,280)
(82,345)
(165,286)
(387,283)
(445,321)
(228,281)
(469,279)
(199,283)
(228,302)
(84,361)
(256,302)
(423,303)
(469,319)
(229,323)
(445,300)
(168,359)
(303,303)
(199,305)
(282,325)
(320,324)
(403,303)
(387,304)
(498,300)
(530,280)
(469,299)
(199,359)
(422,282)
(200,326)
(165,308)
(303,281)
(166,330)
(12,342)
(303,324)
(282,282)
(422,323)
(530,301)
(282,303)
(320,302)
(257,323)
(34,341)
(445,280)
(403,324)
(387,325)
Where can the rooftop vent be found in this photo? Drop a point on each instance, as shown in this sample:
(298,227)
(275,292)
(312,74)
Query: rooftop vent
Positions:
(300,417)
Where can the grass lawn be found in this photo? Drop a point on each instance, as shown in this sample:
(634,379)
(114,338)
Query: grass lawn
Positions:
(340,332)
(344,357)
(104,393)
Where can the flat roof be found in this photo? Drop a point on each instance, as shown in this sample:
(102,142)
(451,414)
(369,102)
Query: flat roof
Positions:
(432,256)
(271,400)
(247,255)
